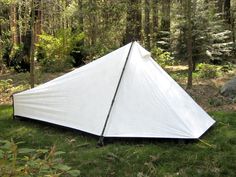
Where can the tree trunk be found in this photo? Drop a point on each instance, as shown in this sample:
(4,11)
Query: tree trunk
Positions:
(189,44)
(1,61)
(219,5)
(93,22)
(32,26)
(133,21)
(81,18)
(147,24)
(164,34)
(154,22)
(38,19)
(165,20)
(13,23)
(64,28)
(233,31)
(227,11)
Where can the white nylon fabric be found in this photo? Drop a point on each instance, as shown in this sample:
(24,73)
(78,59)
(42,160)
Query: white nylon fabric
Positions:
(149,103)
(79,99)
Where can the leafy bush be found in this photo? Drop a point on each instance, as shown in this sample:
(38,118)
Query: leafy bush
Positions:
(5,85)
(163,58)
(208,71)
(54,51)
(56,65)
(19,59)
(227,67)
(25,162)
(215,102)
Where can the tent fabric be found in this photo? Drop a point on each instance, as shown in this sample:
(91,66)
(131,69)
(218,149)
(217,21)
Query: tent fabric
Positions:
(149,103)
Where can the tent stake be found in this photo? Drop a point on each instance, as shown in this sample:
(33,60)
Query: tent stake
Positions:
(101,139)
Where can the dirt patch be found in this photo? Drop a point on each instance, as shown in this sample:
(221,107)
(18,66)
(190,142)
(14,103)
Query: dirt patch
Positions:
(206,91)
(209,98)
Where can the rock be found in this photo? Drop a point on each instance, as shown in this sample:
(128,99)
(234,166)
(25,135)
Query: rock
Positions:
(229,88)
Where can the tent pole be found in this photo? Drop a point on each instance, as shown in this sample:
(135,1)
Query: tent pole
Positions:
(100,141)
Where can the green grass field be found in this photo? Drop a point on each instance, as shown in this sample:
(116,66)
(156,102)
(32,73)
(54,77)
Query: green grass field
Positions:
(214,155)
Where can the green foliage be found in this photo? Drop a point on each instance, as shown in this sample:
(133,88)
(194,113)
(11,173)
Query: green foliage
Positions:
(163,58)
(227,67)
(55,50)
(5,85)
(164,40)
(215,102)
(210,34)
(56,65)
(19,60)
(16,161)
(129,158)
(208,71)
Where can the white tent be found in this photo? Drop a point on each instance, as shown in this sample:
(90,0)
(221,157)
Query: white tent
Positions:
(123,94)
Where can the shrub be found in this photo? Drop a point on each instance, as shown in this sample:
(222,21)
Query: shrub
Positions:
(54,51)
(227,67)
(55,65)
(17,161)
(163,58)
(19,60)
(215,102)
(5,85)
(208,71)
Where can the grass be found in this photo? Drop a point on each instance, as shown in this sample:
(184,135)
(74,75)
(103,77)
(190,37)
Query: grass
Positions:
(215,156)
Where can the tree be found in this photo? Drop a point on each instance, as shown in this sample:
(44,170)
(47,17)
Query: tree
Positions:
(227,11)
(1,61)
(13,23)
(133,21)
(38,19)
(154,22)
(189,43)
(32,47)
(164,33)
(147,24)
(93,18)
(219,5)
(81,19)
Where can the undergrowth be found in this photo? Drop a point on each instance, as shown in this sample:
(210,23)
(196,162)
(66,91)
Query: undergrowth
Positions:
(214,155)
(19,161)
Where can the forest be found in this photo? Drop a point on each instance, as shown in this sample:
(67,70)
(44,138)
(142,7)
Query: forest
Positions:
(61,34)
(192,40)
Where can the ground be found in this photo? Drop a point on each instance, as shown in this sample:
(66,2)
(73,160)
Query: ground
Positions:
(205,91)
(213,155)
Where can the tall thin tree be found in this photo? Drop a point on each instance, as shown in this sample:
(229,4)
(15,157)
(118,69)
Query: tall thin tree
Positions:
(81,18)
(189,43)
(147,24)
(164,34)
(227,11)
(38,19)
(1,61)
(32,47)
(13,23)
(133,21)
(154,22)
